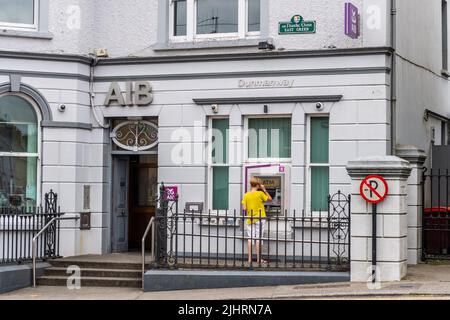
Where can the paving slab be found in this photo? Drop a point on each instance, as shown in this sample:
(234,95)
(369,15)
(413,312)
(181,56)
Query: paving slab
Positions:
(426,281)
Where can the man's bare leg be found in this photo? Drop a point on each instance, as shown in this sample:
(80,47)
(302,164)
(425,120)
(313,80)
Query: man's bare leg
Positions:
(249,249)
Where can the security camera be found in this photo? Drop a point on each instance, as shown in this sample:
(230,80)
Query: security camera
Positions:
(319,106)
(62,108)
(215,108)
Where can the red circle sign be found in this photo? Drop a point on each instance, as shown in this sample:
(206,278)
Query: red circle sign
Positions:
(374,189)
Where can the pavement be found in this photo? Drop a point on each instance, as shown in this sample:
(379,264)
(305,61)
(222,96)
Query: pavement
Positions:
(424,282)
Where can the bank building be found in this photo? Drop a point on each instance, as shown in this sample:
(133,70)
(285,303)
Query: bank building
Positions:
(111,115)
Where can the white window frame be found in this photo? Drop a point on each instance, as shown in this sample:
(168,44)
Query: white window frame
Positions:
(39,145)
(191,25)
(249,160)
(211,165)
(24,26)
(309,165)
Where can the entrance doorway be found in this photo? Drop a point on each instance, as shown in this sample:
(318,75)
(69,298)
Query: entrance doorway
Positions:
(134,194)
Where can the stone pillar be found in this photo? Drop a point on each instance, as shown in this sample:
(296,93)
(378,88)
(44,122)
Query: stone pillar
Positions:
(392,223)
(416,158)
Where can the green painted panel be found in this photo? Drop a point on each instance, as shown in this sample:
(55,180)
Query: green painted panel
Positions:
(320,137)
(220,188)
(320,181)
(269,138)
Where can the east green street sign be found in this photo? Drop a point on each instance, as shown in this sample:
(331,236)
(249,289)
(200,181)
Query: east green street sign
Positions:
(297,26)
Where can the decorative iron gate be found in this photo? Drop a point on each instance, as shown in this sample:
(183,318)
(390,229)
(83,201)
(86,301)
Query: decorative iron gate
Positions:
(222,239)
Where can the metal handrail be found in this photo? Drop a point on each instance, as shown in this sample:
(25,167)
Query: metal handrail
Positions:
(151,225)
(38,235)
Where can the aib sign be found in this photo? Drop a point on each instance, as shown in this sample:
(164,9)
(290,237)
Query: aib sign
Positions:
(352,19)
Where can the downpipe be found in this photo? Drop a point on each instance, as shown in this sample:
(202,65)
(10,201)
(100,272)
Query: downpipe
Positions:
(393,95)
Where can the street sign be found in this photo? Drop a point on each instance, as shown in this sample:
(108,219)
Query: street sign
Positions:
(352,21)
(297,26)
(171,193)
(374,189)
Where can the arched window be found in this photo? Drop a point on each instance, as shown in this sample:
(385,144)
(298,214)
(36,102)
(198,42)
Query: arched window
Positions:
(18,152)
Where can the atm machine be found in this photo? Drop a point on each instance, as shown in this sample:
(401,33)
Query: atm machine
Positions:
(276,179)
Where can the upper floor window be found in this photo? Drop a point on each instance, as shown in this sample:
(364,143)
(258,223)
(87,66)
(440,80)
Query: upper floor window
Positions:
(19,14)
(196,19)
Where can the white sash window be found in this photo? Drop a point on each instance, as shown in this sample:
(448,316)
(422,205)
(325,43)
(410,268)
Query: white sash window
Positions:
(19,14)
(205,19)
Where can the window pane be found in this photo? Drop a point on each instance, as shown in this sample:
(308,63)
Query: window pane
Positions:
(269,138)
(180,18)
(254,15)
(220,188)
(17,11)
(220,141)
(217,16)
(320,140)
(18,125)
(18,181)
(319,188)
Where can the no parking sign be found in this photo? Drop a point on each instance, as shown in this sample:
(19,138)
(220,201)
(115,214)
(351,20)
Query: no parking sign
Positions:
(374,189)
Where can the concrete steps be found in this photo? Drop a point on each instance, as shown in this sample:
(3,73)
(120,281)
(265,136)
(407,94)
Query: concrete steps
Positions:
(91,281)
(94,273)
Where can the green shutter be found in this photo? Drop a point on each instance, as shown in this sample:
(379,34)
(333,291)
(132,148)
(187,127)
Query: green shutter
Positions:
(320,137)
(269,138)
(220,141)
(320,177)
(220,188)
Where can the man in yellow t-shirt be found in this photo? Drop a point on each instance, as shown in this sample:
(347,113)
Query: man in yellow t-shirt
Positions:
(253,206)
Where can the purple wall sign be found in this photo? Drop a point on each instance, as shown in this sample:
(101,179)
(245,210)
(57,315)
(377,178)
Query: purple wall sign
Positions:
(171,193)
(352,18)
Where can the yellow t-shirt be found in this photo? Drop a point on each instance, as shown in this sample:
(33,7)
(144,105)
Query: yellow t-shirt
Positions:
(254,203)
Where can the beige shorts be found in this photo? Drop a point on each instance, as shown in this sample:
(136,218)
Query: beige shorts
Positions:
(255,231)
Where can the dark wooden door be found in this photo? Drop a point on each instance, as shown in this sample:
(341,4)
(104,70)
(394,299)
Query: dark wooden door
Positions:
(143,193)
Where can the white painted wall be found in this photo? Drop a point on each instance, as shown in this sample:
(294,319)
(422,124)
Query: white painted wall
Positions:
(130,27)
(420,84)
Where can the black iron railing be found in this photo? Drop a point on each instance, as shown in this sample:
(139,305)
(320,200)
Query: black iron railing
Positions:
(436,214)
(18,226)
(223,239)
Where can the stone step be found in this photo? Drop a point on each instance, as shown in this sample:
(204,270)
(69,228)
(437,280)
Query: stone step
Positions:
(95,272)
(65,263)
(92,282)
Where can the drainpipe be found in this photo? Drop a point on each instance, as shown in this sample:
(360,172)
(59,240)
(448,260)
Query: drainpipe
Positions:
(393,76)
(92,94)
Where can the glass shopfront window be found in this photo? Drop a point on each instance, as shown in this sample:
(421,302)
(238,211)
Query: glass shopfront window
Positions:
(18,152)
(319,163)
(269,138)
(220,167)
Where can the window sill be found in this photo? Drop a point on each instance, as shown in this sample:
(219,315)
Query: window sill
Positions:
(26,34)
(211,44)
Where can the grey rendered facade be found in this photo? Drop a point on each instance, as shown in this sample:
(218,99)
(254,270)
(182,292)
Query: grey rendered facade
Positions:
(369,89)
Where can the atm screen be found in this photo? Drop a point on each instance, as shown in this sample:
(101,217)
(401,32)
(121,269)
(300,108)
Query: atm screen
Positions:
(273,187)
